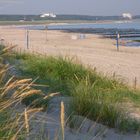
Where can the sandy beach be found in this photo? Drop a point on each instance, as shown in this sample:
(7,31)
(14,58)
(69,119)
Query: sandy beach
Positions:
(93,50)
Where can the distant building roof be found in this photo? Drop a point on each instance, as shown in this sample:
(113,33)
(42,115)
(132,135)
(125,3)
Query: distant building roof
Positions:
(48,15)
(127,15)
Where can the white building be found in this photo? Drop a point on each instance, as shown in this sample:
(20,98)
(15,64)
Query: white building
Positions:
(48,15)
(127,15)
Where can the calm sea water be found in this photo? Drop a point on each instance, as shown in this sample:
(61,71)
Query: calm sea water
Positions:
(126,27)
(113,25)
(134,24)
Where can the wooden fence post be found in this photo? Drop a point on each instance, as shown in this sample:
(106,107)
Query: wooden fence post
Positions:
(27,39)
(135,83)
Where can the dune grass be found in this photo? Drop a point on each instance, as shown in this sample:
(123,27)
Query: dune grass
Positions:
(95,96)
(16,95)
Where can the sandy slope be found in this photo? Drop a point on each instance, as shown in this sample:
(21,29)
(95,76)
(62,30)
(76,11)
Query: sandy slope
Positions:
(93,51)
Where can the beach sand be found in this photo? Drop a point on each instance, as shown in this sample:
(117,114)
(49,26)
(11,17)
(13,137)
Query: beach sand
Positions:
(93,50)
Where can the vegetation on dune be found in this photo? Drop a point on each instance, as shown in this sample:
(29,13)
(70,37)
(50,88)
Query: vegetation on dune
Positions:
(94,96)
(14,92)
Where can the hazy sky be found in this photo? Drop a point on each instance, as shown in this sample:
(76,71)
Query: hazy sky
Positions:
(87,7)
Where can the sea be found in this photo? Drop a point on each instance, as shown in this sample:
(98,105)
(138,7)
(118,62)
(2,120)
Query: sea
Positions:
(129,30)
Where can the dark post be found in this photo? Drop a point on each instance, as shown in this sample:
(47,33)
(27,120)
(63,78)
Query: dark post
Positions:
(135,83)
(2,42)
(27,39)
(117,39)
(46,28)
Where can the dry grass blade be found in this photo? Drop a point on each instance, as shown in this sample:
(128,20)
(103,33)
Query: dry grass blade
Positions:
(51,95)
(22,81)
(30,92)
(9,48)
(8,104)
(34,110)
(27,86)
(62,119)
(26,121)
(8,88)
(27,118)
(3,70)
(9,81)
(6,50)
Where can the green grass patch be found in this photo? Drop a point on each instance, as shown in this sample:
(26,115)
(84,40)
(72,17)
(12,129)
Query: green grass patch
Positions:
(95,96)
(6,123)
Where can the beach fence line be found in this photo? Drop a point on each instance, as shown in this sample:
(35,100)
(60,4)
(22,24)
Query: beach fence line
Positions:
(135,82)
(122,35)
(118,36)
(26,37)
(27,42)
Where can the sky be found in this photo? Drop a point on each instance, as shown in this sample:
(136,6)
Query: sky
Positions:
(82,7)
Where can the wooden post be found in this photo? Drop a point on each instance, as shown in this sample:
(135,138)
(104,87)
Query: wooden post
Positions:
(20,51)
(27,39)
(117,39)
(114,75)
(2,41)
(94,69)
(135,83)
